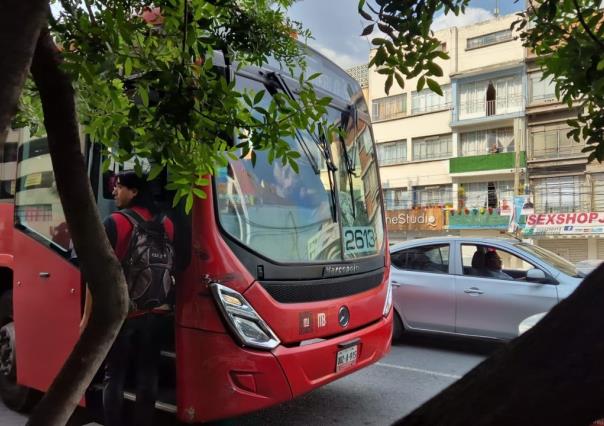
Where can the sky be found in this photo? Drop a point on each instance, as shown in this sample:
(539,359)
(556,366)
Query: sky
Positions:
(336,25)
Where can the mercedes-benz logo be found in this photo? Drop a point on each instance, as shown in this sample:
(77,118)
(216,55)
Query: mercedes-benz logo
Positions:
(343,316)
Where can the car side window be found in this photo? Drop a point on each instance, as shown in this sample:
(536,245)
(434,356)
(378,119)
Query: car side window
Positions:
(431,258)
(492,262)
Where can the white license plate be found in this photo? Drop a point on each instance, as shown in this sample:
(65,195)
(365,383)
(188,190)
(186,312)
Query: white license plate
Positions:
(346,358)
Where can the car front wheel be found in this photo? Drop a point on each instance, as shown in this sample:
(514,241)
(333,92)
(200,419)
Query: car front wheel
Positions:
(397,327)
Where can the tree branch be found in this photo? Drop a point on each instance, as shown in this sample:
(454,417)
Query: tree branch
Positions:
(586,27)
(100,268)
(20,23)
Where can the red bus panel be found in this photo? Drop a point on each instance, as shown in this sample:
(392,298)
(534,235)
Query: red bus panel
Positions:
(46,300)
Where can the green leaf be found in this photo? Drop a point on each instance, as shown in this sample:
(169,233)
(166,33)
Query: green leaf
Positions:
(421,82)
(155,171)
(388,84)
(258,97)
(144,95)
(127,66)
(189,203)
(400,80)
(434,69)
(200,193)
(367,30)
(434,86)
(294,165)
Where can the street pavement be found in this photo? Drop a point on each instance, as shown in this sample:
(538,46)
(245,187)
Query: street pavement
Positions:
(415,370)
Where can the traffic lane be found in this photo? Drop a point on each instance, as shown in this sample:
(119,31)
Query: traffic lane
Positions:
(445,354)
(417,368)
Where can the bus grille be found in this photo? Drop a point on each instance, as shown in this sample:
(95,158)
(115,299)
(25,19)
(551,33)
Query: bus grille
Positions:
(322,289)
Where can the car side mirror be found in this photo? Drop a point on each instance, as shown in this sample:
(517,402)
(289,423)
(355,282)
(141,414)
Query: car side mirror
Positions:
(535,275)
(108,184)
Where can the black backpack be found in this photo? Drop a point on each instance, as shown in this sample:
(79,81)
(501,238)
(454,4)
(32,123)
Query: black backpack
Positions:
(149,262)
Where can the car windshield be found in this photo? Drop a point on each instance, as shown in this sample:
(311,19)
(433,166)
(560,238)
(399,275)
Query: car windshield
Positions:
(552,259)
(287,216)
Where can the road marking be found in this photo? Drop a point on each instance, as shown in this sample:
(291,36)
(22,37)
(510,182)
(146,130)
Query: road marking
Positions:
(419,370)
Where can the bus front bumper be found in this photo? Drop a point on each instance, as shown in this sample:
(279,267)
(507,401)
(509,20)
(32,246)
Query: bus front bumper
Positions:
(217,379)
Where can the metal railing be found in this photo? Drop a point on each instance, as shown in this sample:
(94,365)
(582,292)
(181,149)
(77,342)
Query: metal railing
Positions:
(477,109)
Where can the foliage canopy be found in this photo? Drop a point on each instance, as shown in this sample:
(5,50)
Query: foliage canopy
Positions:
(147,86)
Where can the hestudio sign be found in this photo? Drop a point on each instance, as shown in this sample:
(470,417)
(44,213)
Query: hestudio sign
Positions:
(430,219)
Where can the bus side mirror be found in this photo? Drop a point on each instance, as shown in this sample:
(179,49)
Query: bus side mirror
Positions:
(109,178)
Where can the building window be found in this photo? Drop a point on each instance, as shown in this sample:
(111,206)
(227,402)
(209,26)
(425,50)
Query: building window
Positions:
(490,97)
(551,142)
(390,107)
(427,101)
(489,39)
(433,196)
(541,90)
(490,141)
(598,192)
(484,194)
(561,194)
(392,152)
(397,199)
(432,148)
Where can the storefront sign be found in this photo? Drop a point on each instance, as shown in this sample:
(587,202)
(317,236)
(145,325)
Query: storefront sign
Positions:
(477,219)
(429,219)
(583,223)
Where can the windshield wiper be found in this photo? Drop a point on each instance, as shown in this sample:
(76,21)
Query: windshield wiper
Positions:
(321,144)
(350,166)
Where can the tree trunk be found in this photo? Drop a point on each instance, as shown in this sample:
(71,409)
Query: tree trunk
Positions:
(20,22)
(100,268)
(551,375)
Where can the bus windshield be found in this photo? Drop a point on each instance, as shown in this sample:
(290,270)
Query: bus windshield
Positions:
(287,216)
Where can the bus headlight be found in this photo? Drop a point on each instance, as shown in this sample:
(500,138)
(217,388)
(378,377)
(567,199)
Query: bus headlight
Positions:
(249,328)
(388,302)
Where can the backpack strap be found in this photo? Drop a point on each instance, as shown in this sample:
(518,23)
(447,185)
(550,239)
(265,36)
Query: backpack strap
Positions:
(133,217)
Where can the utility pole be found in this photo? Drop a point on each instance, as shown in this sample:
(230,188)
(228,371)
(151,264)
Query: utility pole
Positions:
(519,144)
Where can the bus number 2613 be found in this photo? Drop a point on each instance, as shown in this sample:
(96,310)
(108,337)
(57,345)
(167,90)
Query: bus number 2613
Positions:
(359,239)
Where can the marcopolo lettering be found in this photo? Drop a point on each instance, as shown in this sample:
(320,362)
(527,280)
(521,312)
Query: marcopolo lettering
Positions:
(332,270)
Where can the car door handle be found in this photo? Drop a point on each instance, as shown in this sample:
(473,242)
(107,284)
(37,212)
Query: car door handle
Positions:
(395,283)
(473,290)
(44,274)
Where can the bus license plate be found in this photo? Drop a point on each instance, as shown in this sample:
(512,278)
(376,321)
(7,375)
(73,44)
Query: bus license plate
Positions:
(346,358)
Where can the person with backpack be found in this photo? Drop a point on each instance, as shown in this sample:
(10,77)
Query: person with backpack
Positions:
(142,239)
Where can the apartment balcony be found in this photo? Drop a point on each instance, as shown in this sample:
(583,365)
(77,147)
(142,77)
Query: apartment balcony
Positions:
(485,164)
(502,109)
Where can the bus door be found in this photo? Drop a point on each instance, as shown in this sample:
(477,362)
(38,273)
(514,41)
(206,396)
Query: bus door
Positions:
(46,288)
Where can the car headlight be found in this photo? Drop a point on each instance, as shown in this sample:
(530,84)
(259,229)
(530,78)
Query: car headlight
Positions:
(388,302)
(249,328)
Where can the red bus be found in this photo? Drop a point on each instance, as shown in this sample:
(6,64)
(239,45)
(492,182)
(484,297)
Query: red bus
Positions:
(283,283)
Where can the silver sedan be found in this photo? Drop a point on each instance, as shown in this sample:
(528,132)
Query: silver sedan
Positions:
(480,287)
